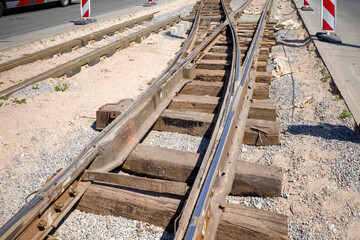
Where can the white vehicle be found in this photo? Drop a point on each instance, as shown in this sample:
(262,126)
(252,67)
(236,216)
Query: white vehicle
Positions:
(7,4)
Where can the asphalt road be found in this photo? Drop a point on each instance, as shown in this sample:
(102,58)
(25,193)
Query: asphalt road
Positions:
(348,21)
(30,23)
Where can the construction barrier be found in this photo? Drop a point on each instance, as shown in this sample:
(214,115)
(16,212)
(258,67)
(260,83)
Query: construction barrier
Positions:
(307,3)
(307,6)
(328,22)
(328,12)
(85,9)
(149,3)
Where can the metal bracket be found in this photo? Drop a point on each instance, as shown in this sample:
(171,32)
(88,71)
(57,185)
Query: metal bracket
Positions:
(328,37)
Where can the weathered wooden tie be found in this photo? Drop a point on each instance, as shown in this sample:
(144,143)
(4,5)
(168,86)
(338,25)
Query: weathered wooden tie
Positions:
(181,166)
(261,91)
(185,122)
(240,222)
(203,88)
(210,75)
(262,109)
(195,103)
(237,221)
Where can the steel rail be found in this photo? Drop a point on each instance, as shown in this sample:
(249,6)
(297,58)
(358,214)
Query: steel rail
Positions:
(74,66)
(61,181)
(214,141)
(197,227)
(185,46)
(65,177)
(69,45)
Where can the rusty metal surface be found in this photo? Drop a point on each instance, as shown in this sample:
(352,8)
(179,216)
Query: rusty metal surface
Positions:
(219,179)
(49,218)
(120,129)
(108,112)
(214,141)
(113,145)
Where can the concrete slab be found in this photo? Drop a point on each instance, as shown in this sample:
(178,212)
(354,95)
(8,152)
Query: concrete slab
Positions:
(342,60)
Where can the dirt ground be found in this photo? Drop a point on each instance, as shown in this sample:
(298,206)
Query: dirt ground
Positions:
(19,51)
(42,129)
(319,150)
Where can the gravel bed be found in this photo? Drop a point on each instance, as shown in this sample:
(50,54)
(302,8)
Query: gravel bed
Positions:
(13,191)
(35,90)
(234,4)
(33,69)
(92,226)
(177,141)
(14,188)
(319,151)
(319,154)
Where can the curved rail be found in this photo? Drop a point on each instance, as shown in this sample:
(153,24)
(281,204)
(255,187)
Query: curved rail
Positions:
(60,182)
(92,153)
(74,66)
(218,129)
(203,205)
(69,45)
(220,175)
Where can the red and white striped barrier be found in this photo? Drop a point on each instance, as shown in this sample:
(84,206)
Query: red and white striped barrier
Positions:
(328,22)
(149,3)
(85,9)
(307,6)
(328,13)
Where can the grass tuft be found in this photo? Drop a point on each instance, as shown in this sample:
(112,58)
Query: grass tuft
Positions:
(35,87)
(138,40)
(16,101)
(345,114)
(61,87)
(4,98)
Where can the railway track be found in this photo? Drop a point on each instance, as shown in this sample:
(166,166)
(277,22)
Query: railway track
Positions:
(209,90)
(110,41)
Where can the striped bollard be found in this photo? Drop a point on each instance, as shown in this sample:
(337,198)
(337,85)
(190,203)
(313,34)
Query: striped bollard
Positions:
(307,6)
(149,3)
(328,8)
(85,10)
(328,22)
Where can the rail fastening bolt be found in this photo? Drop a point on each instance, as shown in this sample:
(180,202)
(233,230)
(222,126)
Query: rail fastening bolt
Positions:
(58,206)
(72,191)
(42,224)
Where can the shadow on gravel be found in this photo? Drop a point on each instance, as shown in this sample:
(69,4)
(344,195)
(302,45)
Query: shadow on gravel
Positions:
(326,131)
(287,42)
(93,126)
